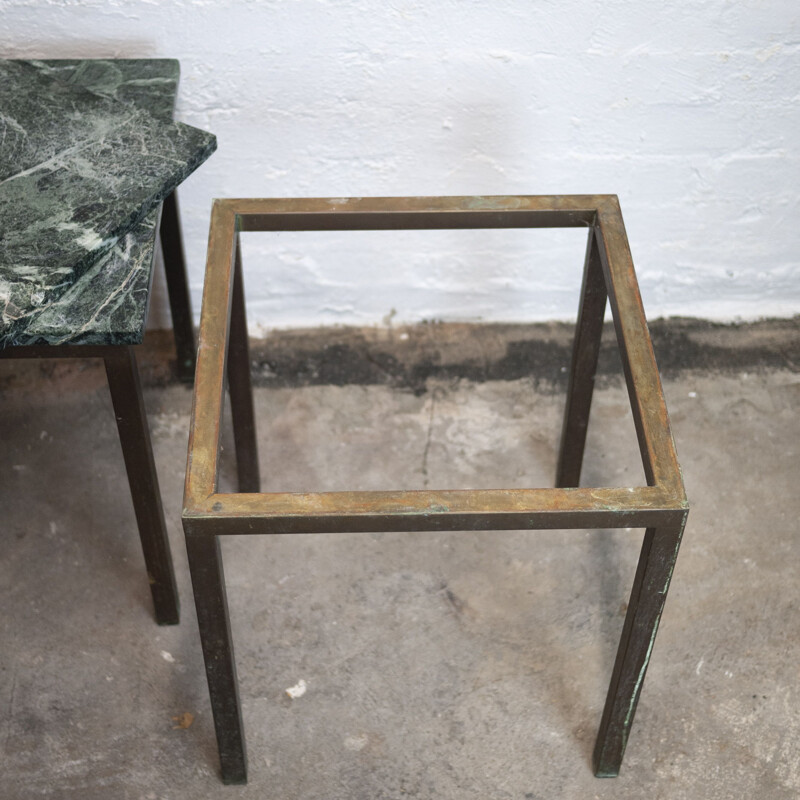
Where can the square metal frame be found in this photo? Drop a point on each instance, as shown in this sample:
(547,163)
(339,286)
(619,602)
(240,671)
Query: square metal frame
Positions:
(660,507)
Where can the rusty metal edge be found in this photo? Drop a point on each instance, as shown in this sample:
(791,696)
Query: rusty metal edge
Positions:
(646,393)
(447,509)
(228,216)
(398,213)
(209,386)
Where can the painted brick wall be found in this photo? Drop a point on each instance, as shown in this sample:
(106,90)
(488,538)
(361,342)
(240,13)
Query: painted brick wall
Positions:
(689,112)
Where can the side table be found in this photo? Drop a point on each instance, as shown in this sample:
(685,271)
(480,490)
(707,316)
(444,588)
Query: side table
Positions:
(660,507)
(103,314)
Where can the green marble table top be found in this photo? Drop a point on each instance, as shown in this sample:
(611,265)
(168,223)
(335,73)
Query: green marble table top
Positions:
(81,194)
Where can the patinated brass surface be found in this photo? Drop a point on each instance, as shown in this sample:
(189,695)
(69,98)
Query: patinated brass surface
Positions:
(660,506)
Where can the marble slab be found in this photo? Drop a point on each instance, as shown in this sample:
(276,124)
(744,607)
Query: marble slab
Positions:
(78,170)
(109,303)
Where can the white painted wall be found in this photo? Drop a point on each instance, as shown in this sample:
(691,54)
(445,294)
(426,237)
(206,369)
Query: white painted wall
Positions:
(689,111)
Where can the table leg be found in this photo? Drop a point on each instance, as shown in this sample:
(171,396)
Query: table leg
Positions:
(585,350)
(240,388)
(208,582)
(178,288)
(134,435)
(653,574)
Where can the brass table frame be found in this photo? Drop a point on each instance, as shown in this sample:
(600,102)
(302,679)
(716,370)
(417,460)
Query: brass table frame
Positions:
(660,507)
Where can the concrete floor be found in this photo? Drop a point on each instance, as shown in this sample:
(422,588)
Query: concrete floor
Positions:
(453,665)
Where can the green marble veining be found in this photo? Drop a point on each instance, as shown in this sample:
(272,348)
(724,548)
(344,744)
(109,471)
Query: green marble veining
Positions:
(78,170)
(108,304)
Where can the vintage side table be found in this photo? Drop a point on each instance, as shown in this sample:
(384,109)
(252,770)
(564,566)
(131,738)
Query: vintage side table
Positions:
(660,507)
(103,313)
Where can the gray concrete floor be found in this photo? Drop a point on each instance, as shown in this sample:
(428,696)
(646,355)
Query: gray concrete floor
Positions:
(453,665)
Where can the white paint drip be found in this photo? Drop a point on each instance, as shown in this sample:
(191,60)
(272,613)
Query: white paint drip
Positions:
(298,690)
(356,743)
